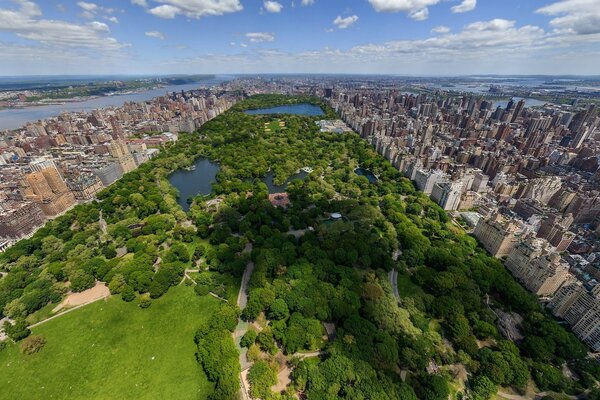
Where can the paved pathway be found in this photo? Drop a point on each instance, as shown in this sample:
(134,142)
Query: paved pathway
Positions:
(393,276)
(65,312)
(242,299)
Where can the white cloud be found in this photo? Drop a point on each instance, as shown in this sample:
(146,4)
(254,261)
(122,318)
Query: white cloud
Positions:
(419,15)
(114,20)
(155,34)
(575,16)
(192,8)
(416,9)
(87,6)
(243,45)
(258,37)
(465,6)
(99,26)
(26,23)
(272,6)
(497,24)
(307,2)
(343,23)
(440,29)
(165,11)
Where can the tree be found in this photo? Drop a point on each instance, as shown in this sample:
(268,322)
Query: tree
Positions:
(117,284)
(18,330)
(434,387)
(261,377)
(266,341)
(279,310)
(482,388)
(128,294)
(177,252)
(81,281)
(249,338)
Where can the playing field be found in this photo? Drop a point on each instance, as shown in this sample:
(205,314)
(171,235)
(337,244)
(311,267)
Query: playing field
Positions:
(114,350)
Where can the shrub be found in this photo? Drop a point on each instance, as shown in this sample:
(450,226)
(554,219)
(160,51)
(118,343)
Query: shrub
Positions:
(128,294)
(145,301)
(18,330)
(202,290)
(32,344)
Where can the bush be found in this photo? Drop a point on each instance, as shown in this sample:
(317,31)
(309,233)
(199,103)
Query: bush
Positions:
(32,344)
(18,330)
(128,294)
(202,290)
(145,301)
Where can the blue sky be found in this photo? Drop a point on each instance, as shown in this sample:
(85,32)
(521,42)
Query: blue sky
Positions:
(408,37)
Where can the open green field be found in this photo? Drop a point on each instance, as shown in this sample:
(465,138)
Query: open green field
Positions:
(115,350)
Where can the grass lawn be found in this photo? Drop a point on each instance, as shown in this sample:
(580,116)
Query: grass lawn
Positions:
(115,350)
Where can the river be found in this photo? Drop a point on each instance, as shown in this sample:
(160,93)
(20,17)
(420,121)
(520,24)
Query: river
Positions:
(16,118)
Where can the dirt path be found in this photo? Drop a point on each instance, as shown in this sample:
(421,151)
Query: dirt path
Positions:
(99,291)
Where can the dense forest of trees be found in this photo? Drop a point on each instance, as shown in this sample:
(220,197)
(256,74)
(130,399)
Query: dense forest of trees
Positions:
(336,272)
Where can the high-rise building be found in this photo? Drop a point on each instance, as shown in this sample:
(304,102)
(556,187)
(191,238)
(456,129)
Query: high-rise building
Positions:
(555,229)
(447,194)
(535,264)
(46,187)
(426,179)
(19,220)
(497,234)
(118,149)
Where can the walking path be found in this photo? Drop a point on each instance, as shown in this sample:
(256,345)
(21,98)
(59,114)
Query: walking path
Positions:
(393,275)
(242,300)
(66,312)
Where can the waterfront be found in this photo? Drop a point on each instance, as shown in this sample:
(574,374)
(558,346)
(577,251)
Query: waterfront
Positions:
(17,117)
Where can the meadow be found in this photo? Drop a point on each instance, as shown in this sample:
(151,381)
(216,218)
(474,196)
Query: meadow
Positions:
(115,350)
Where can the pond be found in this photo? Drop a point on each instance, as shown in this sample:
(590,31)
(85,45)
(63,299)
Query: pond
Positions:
(296,109)
(193,182)
(367,174)
(273,188)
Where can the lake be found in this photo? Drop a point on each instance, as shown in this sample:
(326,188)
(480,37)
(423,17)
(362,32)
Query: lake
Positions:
(16,118)
(273,188)
(296,109)
(193,183)
(199,181)
(367,174)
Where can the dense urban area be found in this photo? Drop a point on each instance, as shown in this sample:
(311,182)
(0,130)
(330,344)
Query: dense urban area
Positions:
(413,239)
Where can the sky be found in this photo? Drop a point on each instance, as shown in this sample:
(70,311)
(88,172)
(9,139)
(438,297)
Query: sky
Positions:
(404,37)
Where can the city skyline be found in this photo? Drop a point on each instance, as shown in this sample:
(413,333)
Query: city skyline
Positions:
(403,37)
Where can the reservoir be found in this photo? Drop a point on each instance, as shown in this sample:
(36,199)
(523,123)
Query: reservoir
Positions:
(295,109)
(17,117)
(195,182)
